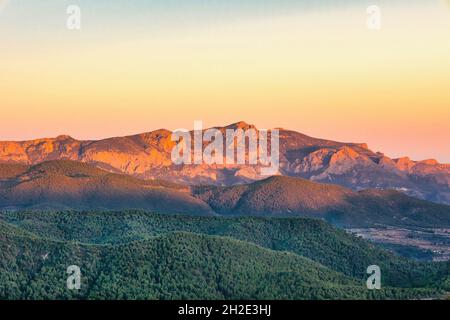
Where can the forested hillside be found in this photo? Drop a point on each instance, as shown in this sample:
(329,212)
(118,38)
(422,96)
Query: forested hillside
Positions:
(138,255)
(295,197)
(71,185)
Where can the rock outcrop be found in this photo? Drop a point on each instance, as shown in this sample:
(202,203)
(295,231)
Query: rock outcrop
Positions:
(148,156)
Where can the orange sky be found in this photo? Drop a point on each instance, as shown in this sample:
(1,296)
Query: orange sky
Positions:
(319,72)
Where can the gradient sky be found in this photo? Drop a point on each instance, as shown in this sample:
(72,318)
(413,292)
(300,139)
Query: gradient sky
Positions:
(137,66)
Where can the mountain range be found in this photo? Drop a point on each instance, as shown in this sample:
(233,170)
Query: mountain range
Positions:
(64,184)
(141,227)
(148,156)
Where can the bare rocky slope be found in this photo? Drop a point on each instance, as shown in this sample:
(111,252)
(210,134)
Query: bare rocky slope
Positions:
(148,156)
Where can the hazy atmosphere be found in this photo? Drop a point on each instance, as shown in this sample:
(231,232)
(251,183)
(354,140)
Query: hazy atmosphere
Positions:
(314,68)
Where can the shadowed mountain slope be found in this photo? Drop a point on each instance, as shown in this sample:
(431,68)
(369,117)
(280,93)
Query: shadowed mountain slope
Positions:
(75,185)
(148,156)
(286,196)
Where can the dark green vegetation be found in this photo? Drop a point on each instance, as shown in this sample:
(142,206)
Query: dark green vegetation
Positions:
(61,185)
(209,253)
(138,255)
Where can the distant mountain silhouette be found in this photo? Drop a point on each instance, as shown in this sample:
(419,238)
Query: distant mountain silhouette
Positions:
(148,156)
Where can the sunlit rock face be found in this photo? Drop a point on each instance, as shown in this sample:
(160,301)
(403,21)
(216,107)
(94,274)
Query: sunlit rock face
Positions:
(148,156)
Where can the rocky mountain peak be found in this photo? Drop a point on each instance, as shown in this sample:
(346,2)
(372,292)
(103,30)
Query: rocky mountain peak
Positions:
(63,137)
(431,162)
(241,125)
(148,156)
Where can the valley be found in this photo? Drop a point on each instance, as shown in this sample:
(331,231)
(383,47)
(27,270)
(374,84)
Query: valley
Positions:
(421,244)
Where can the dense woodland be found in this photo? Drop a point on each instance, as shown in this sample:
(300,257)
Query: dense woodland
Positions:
(140,255)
